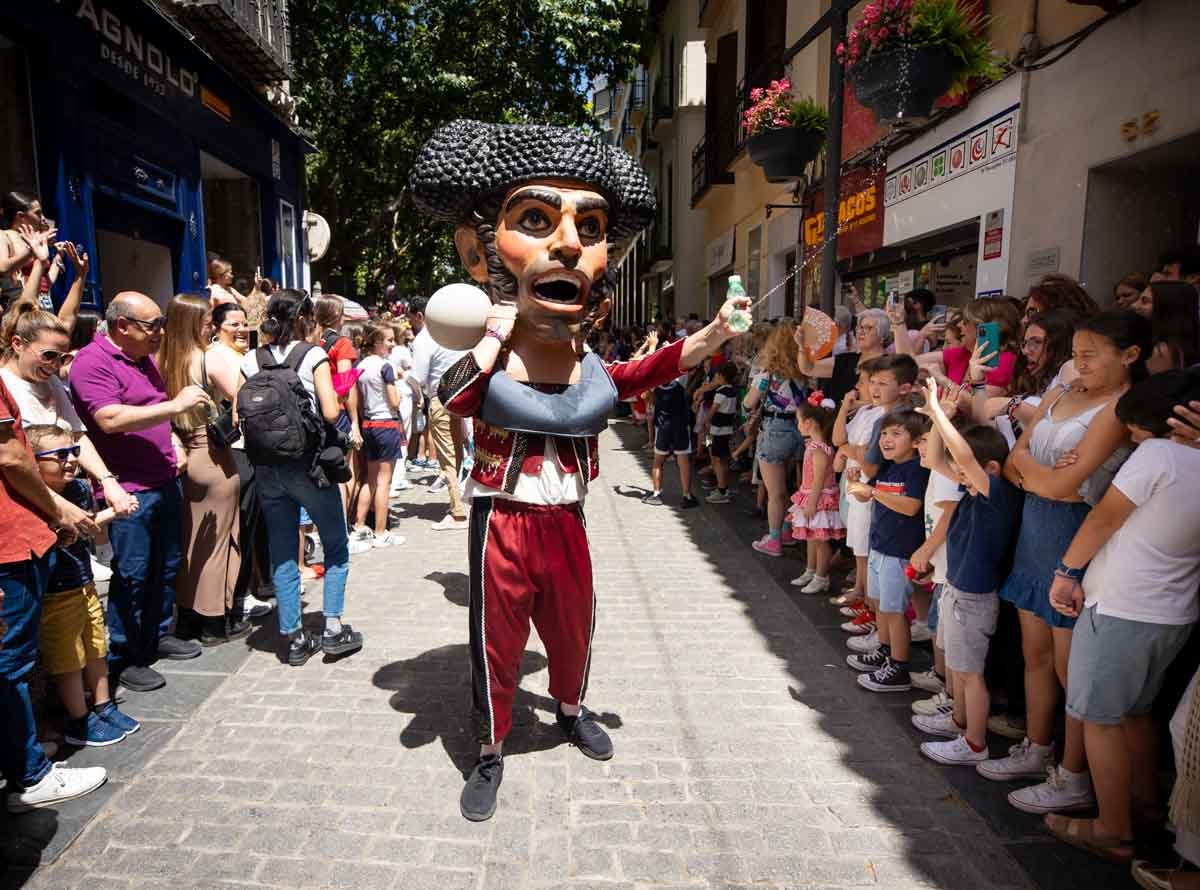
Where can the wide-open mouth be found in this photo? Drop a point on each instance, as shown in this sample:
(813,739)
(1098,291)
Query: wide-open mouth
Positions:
(560,286)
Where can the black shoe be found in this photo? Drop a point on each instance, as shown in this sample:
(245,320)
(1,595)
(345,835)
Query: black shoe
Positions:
(478,800)
(174,649)
(137,678)
(653,499)
(586,734)
(302,647)
(189,625)
(221,630)
(688,502)
(344,642)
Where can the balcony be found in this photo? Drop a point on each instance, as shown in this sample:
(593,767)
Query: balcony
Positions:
(707,168)
(662,102)
(249,37)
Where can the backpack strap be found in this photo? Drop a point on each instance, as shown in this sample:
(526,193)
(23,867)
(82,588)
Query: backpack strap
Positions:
(296,357)
(263,357)
(329,338)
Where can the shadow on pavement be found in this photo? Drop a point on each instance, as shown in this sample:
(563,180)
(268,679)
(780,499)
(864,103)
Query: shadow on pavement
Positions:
(455,586)
(435,687)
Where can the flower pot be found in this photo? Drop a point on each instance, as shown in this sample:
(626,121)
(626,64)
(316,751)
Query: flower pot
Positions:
(784,153)
(904,81)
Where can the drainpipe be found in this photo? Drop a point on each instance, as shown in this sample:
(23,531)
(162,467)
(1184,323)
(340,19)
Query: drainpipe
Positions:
(833,163)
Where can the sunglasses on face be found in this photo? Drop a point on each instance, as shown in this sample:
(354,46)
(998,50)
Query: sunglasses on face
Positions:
(150,327)
(51,356)
(62,455)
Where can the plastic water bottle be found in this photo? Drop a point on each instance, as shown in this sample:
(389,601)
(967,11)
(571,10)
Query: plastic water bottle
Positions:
(740,320)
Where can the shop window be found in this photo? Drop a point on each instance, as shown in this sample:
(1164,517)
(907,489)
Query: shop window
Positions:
(287,245)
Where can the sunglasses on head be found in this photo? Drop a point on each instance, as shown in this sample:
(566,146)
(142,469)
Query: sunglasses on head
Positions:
(150,327)
(62,455)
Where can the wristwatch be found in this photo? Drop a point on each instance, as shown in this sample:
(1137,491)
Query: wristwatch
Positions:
(1063,571)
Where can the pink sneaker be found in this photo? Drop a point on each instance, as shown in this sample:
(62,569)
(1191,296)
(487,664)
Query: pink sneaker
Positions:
(768,546)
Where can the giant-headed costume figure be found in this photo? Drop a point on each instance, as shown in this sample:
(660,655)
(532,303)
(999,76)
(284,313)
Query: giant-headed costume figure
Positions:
(538,210)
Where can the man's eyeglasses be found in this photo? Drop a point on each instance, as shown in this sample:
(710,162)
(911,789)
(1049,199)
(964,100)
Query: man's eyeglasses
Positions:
(150,327)
(62,455)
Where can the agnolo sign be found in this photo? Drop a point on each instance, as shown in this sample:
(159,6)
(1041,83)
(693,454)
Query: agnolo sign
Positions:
(128,51)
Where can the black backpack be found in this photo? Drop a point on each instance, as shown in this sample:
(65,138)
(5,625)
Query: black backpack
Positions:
(279,424)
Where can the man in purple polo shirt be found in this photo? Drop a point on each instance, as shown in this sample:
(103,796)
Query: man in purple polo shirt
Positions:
(123,402)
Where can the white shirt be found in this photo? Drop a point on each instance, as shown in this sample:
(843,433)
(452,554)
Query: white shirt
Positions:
(551,487)
(312,359)
(1149,570)
(43,404)
(377,373)
(859,429)
(937,492)
(431,361)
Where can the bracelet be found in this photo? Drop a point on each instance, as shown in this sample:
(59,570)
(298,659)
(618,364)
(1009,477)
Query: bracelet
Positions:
(492,332)
(112,476)
(1063,571)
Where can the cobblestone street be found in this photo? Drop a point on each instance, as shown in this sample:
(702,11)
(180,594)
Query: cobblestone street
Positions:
(746,755)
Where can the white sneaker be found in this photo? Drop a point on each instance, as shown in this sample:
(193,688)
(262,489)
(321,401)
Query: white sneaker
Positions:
(852,627)
(1024,761)
(361,533)
(1006,725)
(58,785)
(387,539)
(941,723)
(928,681)
(803,580)
(869,643)
(253,607)
(920,632)
(358,545)
(449,523)
(439,484)
(939,704)
(1061,791)
(399,484)
(100,572)
(954,753)
(816,585)
(717,497)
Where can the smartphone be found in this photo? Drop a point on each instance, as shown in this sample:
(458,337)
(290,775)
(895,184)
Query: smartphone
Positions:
(989,336)
(939,313)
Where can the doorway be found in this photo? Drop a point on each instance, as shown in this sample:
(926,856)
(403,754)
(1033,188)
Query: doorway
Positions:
(232,221)
(138,250)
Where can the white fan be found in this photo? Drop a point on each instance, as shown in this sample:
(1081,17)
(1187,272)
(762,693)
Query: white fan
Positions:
(318,235)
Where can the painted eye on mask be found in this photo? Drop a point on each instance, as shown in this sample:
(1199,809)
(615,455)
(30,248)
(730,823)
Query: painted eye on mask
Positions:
(534,220)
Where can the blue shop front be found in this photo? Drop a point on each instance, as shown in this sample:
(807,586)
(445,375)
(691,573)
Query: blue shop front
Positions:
(144,149)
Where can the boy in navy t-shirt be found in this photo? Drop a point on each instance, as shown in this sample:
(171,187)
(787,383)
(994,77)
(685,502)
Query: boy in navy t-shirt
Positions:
(897,530)
(978,553)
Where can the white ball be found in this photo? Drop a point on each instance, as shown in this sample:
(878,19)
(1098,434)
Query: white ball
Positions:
(456,316)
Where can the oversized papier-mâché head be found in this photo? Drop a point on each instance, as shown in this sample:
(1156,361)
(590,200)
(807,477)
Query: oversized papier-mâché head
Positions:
(537,210)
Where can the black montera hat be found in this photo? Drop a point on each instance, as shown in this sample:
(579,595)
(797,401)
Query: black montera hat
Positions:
(466,162)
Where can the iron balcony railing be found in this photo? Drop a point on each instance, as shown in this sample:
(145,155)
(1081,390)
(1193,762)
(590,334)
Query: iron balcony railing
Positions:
(663,99)
(249,36)
(707,169)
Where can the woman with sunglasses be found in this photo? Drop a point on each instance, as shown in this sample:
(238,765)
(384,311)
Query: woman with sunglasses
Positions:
(35,344)
(211,489)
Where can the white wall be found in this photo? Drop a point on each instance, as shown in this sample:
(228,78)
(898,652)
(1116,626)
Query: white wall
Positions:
(980,187)
(1144,61)
(128,264)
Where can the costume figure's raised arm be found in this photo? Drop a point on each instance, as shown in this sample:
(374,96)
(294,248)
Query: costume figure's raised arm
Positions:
(636,376)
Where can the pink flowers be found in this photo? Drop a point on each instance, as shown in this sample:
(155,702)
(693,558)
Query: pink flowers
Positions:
(773,108)
(883,22)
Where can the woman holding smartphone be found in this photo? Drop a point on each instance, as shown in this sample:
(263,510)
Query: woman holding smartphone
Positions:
(953,361)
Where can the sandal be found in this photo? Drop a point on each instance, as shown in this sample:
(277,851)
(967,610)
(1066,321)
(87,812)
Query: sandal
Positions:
(1151,878)
(1079,833)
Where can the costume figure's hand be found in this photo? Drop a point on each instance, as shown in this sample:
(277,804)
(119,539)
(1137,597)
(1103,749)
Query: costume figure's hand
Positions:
(726,313)
(501,319)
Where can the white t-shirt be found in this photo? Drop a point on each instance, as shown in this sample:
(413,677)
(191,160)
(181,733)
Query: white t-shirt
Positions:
(313,359)
(860,426)
(377,373)
(939,491)
(552,487)
(431,361)
(1149,570)
(43,404)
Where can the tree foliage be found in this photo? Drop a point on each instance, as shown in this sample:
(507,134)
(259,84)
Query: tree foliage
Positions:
(375,77)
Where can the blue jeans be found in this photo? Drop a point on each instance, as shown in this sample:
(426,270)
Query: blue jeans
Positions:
(22,761)
(284,490)
(147,552)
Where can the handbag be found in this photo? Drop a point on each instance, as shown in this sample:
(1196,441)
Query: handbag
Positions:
(221,428)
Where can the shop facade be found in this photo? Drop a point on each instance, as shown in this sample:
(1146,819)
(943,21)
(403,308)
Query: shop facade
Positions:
(145,150)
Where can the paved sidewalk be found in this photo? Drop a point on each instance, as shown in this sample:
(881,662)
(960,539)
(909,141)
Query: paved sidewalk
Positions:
(746,755)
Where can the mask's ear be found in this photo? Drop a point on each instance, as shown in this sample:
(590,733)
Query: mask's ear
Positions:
(470,251)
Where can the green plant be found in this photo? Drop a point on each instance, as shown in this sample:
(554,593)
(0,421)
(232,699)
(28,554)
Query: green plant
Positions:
(774,108)
(948,24)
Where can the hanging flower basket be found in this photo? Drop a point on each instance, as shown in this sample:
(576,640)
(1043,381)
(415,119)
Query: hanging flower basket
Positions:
(904,81)
(784,153)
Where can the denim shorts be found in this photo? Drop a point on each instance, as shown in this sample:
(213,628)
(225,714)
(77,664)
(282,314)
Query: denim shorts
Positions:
(1047,529)
(1117,666)
(779,441)
(887,582)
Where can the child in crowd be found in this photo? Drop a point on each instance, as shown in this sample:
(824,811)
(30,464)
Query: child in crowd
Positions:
(852,428)
(897,530)
(981,532)
(941,497)
(1130,576)
(73,640)
(672,435)
(721,422)
(892,380)
(814,516)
